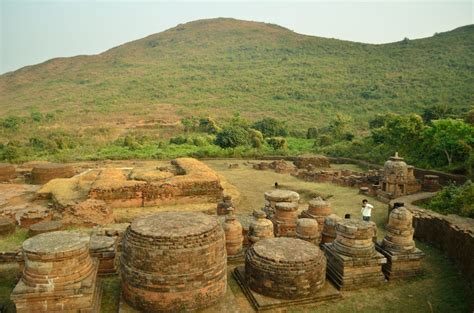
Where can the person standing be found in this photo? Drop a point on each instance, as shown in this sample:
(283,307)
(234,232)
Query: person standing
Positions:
(366,210)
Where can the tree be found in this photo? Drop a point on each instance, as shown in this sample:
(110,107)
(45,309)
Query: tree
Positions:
(232,136)
(452,138)
(277,143)
(208,125)
(190,123)
(312,133)
(271,127)
(339,126)
(256,138)
(437,112)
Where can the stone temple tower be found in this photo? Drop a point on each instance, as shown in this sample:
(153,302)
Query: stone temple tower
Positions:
(398,179)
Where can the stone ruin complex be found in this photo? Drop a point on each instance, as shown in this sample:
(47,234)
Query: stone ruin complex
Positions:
(398,246)
(278,196)
(173,261)
(285,268)
(353,261)
(59,275)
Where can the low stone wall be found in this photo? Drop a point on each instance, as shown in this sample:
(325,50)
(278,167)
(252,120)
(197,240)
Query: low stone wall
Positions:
(453,234)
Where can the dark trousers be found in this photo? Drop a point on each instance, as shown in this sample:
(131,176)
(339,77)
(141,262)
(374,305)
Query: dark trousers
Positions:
(366,218)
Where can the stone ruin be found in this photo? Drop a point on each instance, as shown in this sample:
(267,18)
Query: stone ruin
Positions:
(260,228)
(311,161)
(398,246)
(59,275)
(44,227)
(329,228)
(173,261)
(279,166)
(398,179)
(286,268)
(104,249)
(431,183)
(233,235)
(7,172)
(7,226)
(307,229)
(224,205)
(43,173)
(352,259)
(278,196)
(318,209)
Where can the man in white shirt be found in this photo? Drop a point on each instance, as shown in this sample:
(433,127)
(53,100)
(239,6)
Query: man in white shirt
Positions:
(366,210)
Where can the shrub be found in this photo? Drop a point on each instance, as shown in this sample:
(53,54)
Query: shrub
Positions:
(179,140)
(11,122)
(324,140)
(208,125)
(312,133)
(231,137)
(256,138)
(278,143)
(454,199)
(271,127)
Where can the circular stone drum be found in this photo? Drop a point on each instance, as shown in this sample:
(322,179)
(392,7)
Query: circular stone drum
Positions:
(285,268)
(354,238)
(173,261)
(43,173)
(44,227)
(56,259)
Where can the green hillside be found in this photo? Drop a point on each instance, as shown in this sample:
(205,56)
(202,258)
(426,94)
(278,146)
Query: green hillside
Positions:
(219,66)
(129,101)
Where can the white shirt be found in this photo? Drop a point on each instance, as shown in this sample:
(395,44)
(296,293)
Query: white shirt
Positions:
(367,209)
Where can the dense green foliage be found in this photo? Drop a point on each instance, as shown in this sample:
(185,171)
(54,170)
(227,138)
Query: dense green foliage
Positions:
(454,199)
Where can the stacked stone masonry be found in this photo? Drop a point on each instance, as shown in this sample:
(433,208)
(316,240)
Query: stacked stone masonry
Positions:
(329,228)
(307,229)
(398,246)
(173,261)
(103,248)
(285,268)
(278,195)
(318,209)
(225,204)
(352,260)
(43,173)
(44,227)
(59,275)
(284,219)
(7,172)
(260,227)
(233,235)
(7,226)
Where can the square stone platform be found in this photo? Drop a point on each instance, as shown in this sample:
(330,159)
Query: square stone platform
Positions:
(261,302)
(349,273)
(84,298)
(401,265)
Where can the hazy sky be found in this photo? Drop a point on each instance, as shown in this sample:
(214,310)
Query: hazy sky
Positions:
(34,31)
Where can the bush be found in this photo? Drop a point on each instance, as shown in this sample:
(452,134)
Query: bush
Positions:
(256,138)
(271,127)
(312,133)
(454,199)
(278,143)
(324,140)
(11,122)
(208,125)
(231,137)
(179,140)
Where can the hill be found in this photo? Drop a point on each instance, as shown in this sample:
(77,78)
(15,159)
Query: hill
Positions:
(220,67)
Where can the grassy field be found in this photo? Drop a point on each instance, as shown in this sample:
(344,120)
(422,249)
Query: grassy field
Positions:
(441,289)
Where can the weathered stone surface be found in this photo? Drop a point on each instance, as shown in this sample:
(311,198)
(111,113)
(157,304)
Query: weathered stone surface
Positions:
(233,234)
(278,195)
(173,261)
(318,209)
(7,172)
(307,229)
(352,260)
(284,219)
(32,215)
(88,213)
(286,268)
(260,227)
(311,160)
(103,248)
(59,275)
(44,227)
(43,173)
(7,226)
(329,228)
(225,204)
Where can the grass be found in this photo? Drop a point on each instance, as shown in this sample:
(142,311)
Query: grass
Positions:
(441,289)
(13,241)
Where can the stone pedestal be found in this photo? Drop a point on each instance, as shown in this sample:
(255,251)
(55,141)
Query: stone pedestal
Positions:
(44,227)
(278,195)
(173,261)
(352,260)
(285,268)
(7,172)
(284,219)
(103,248)
(398,246)
(318,209)
(260,227)
(59,275)
(225,204)
(307,229)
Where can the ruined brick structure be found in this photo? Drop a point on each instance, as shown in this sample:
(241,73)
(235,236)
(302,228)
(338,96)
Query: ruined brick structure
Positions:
(278,195)
(431,183)
(43,173)
(233,234)
(284,219)
(318,209)
(311,161)
(173,261)
(7,172)
(398,179)
(225,204)
(103,248)
(329,228)
(352,259)
(398,246)
(260,227)
(285,268)
(59,275)
(307,229)
(7,226)
(44,227)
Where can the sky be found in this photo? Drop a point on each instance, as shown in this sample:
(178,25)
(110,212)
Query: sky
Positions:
(34,31)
